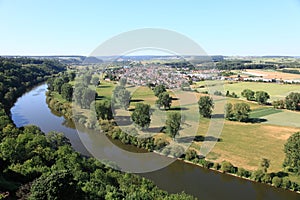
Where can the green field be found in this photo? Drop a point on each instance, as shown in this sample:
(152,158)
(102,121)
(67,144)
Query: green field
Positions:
(276,91)
(261,112)
(243,144)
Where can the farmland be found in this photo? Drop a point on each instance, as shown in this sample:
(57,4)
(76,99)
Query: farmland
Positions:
(243,144)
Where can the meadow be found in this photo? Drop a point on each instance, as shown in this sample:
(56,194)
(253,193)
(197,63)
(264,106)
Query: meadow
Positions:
(242,144)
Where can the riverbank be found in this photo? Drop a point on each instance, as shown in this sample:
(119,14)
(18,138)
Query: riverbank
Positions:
(244,174)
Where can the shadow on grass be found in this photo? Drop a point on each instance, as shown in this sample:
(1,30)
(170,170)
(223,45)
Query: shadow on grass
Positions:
(123,120)
(218,116)
(136,100)
(198,138)
(155,129)
(175,98)
(178,108)
(256,120)
(103,86)
(100,97)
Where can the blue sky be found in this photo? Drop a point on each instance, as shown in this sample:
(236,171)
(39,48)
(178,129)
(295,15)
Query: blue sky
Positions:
(227,27)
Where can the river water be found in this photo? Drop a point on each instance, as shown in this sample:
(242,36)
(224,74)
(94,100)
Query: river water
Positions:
(32,108)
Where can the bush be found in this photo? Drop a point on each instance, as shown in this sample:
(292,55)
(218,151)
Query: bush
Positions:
(204,163)
(276,181)
(267,178)
(190,154)
(227,167)
(286,183)
(243,173)
(257,175)
(216,166)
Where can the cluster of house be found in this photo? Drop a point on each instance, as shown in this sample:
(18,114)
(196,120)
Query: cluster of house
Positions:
(155,75)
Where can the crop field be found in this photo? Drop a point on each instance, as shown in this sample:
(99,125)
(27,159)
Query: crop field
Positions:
(272,74)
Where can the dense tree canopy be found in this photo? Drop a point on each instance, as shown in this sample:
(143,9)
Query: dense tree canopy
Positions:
(18,74)
(121,97)
(165,100)
(292,101)
(141,115)
(104,110)
(262,97)
(292,152)
(241,112)
(67,91)
(159,90)
(173,124)
(248,94)
(205,106)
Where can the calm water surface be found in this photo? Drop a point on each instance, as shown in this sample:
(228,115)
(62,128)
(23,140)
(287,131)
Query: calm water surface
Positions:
(32,108)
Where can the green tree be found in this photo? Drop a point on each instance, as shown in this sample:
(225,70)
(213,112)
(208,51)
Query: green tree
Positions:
(56,139)
(78,92)
(276,181)
(205,106)
(292,101)
(173,123)
(227,167)
(265,164)
(121,97)
(229,111)
(57,83)
(241,111)
(141,115)
(159,90)
(248,94)
(286,183)
(262,97)
(279,104)
(257,175)
(95,81)
(292,152)
(88,96)
(86,79)
(67,91)
(164,100)
(57,185)
(104,110)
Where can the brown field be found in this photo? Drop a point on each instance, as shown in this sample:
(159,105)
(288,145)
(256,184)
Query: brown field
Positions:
(274,74)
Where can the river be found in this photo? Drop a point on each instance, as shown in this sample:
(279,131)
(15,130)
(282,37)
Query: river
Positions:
(179,176)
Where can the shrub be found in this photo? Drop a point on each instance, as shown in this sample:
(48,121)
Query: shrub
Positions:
(286,183)
(276,181)
(243,173)
(190,154)
(257,175)
(216,166)
(227,167)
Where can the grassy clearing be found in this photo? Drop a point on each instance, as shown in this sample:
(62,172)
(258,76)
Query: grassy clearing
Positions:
(243,144)
(105,90)
(276,91)
(261,112)
(285,118)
